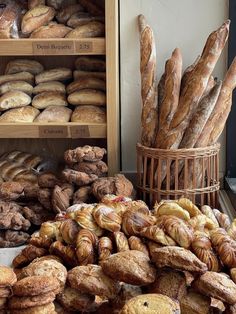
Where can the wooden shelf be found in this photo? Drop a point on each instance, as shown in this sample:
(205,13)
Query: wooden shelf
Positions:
(47,47)
(53,130)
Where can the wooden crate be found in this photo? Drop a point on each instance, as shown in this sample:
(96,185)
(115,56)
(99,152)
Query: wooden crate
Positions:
(38,137)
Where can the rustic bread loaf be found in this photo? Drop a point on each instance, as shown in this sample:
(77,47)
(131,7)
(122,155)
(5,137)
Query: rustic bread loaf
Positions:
(89,114)
(92,7)
(23,76)
(92,64)
(52,30)
(16,86)
(57,74)
(24,114)
(85,83)
(84,74)
(89,30)
(65,13)
(82,18)
(24,65)
(50,86)
(9,15)
(14,99)
(87,97)
(54,114)
(46,99)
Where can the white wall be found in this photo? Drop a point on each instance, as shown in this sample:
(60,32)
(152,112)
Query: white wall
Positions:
(176,23)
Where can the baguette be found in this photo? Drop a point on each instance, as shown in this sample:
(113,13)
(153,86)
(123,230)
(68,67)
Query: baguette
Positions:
(24,65)
(90,64)
(57,74)
(85,83)
(16,86)
(23,114)
(52,30)
(54,114)
(168,106)
(64,14)
(197,83)
(36,17)
(161,92)
(80,74)
(23,76)
(82,18)
(149,116)
(89,30)
(92,8)
(87,97)
(47,99)
(187,74)
(14,99)
(51,86)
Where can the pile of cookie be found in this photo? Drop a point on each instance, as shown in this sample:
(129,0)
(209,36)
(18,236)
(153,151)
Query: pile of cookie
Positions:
(177,256)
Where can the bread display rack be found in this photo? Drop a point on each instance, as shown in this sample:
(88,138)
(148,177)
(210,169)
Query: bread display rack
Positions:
(63,52)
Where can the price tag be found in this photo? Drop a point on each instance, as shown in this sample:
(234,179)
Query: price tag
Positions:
(53,48)
(84,46)
(52,131)
(79,131)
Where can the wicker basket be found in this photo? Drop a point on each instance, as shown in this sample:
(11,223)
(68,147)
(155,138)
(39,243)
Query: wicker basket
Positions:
(170,174)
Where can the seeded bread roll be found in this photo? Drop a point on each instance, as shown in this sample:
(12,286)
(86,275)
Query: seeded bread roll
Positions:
(57,74)
(89,30)
(16,86)
(23,76)
(36,17)
(14,99)
(24,114)
(24,65)
(52,86)
(87,97)
(54,114)
(89,114)
(53,30)
(47,99)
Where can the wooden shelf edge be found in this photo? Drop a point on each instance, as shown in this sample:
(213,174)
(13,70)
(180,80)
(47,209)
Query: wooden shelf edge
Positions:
(53,130)
(49,47)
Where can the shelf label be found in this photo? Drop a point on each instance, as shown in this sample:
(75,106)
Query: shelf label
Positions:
(54,47)
(79,131)
(84,46)
(52,131)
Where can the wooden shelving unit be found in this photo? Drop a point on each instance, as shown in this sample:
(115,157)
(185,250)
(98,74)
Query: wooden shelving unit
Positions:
(65,51)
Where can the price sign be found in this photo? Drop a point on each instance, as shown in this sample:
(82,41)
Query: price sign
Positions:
(53,47)
(84,46)
(79,131)
(52,131)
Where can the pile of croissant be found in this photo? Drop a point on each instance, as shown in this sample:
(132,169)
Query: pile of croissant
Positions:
(177,249)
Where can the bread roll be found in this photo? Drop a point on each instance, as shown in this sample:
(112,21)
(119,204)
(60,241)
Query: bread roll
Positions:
(84,83)
(81,74)
(14,99)
(34,3)
(92,8)
(16,86)
(82,18)
(54,114)
(24,114)
(64,14)
(51,86)
(89,114)
(9,14)
(23,76)
(36,17)
(52,30)
(24,65)
(88,97)
(56,4)
(57,74)
(90,64)
(47,99)
(89,30)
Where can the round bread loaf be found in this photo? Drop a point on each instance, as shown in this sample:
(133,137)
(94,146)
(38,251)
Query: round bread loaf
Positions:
(24,65)
(16,86)
(44,100)
(14,99)
(87,97)
(89,114)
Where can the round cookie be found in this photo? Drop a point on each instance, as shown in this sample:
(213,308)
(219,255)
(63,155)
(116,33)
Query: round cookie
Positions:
(44,309)
(19,303)
(7,276)
(35,285)
(151,304)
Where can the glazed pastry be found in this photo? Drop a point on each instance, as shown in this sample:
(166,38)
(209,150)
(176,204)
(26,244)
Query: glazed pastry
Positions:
(69,230)
(86,242)
(121,241)
(7,276)
(50,230)
(137,244)
(171,208)
(201,223)
(27,255)
(40,242)
(223,219)
(156,234)
(66,253)
(210,214)
(186,204)
(107,218)
(232,230)
(104,248)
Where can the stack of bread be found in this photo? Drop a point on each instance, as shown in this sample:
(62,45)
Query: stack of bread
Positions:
(7,280)
(21,101)
(52,19)
(177,256)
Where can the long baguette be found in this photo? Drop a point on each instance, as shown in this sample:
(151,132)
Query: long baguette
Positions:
(197,83)
(149,116)
(187,73)
(169,104)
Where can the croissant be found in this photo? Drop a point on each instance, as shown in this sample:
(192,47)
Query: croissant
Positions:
(136,243)
(223,219)
(186,204)
(104,248)
(121,241)
(138,205)
(171,208)
(209,213)
(156,234)
(135,220)
(201,246)
(66,253)
(107,218)
(27,255)
(41,242)
(50,230)
(86,242)
(225,247)
(232,230)
(118,203)
(69,230)
(202,222)
(179,231)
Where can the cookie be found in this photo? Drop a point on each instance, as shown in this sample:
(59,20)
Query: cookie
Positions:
(19,303)
(7,276)
(44,309)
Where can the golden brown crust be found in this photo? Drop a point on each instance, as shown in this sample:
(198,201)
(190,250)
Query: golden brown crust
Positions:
(27,255)
(132,267)
(82,195)
(52,30)
(24,65)
(21,303)
(84,83)
(66,253)
(44,309)
(121,241)
(156,234)
(85,153)
(104,248)
(195,303)
(89,114)
(61,197)
(107,218)
(223,219)
(56,74)
(7,276)
(69,230)
(86,242)
(137,244)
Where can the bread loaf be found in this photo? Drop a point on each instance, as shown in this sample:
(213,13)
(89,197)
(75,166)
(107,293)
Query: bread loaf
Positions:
(24,65)
(197,83)
(36,17)
(82,18)
(187,74)
(169,104)
(88,97)
(149,117)
(56,4)
(24,114)
(50,86)
(14,99)
(34,3)
(92,64)
(89,30)
(23,76)
(64,14)
(9,14)
(53,30)
(85,83)
(89,114)
(16,86)
(85,74)
(47,99)
(54,114)
(92,8)
(57,74)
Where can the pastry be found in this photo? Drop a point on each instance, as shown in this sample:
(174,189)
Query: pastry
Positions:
(47,180)
(41,309)
(171,208)
(19,115)
(77,177)
(69,230)
(107,218)
(156,234)
(27,255)
(210,214)
(16,86)
(61,197)
(89,30)
(57,74)
(44,100)
(37,214)
(186,204)
(7,277)
(223,219)
(50,86)
(121,241)
(137,244)
(52,30)
(201,223)
(11,238)
(98,168)
(24,65)
(38,241)
(66,253)
(85,153)
(22,303)
(10,191)
(45,198)
(132,267)
(87,97)
(86,242)
(195,303)
(104,248)
(14,99)
(82,195)
(89,114)
(34,3)
(50,230)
